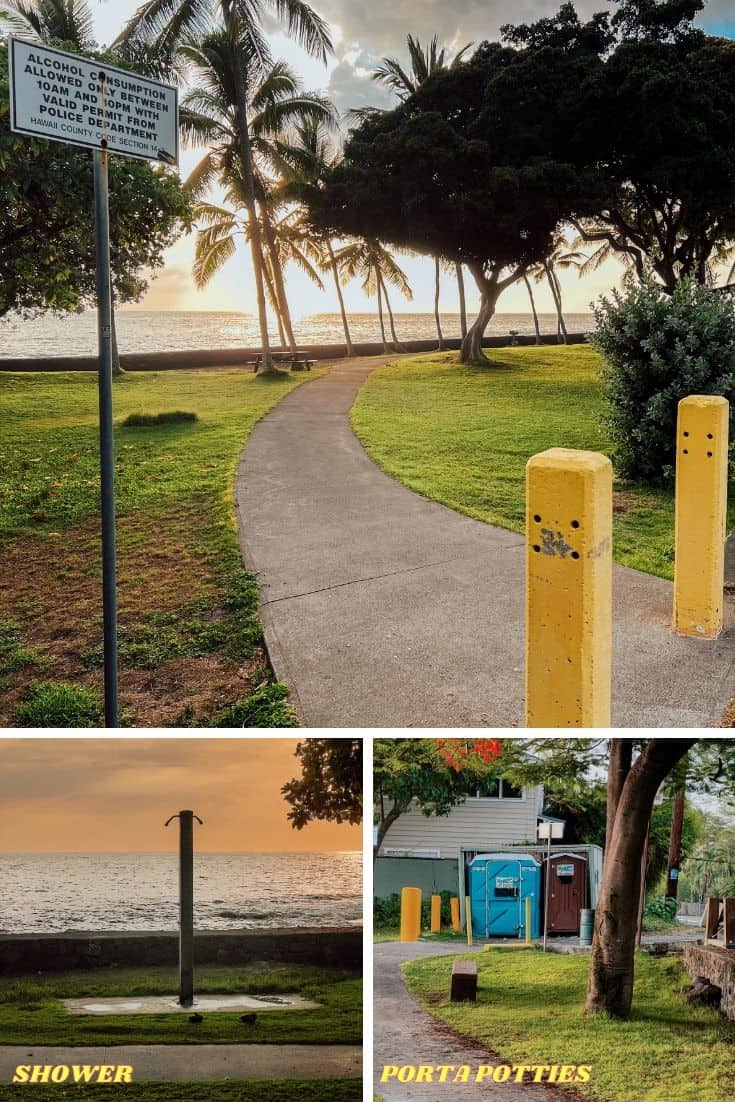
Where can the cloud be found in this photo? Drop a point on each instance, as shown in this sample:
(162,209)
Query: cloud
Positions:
(115,794)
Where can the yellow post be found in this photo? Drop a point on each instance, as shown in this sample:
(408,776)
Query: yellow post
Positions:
(410,914)
(528,920)
(701,505)
(568,589)
(454,906)
(468,913)
(436,914)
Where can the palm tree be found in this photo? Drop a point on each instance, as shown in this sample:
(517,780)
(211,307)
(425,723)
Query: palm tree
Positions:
(163,25)
(303,163)
(424,62)
(64,20)
(561,256)
(276,104)
(217,233)
(371,262)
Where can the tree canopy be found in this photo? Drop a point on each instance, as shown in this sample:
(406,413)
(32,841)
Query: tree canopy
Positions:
(47,257)
(330,785)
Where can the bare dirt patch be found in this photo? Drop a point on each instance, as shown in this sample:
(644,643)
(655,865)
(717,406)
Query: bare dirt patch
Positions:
(50,586)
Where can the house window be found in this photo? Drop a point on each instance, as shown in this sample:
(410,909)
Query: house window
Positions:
(496,788)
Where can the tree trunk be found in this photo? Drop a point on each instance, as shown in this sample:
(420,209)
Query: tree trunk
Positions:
(560,327)
(562,322)
(384,825)
(471,352)
(674,862)
(278,284)
(621,759)
(116,365)
(610,982)
(437,289)
(462,302)
(396,343)
(271,297)
(529,288)
(380,316)
(246,156)
(343,312)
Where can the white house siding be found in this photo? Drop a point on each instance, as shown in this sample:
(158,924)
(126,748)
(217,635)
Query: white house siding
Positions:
(485,823)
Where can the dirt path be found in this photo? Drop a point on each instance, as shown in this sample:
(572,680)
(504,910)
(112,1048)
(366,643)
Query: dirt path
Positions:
(383,609)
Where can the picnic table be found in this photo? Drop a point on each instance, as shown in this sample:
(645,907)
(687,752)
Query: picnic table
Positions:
(298,359)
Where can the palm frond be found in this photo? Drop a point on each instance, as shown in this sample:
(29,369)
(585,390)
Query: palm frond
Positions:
(304,25)
(211,254)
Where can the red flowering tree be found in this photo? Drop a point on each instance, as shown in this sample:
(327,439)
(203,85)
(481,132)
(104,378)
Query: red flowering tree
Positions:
(433,775)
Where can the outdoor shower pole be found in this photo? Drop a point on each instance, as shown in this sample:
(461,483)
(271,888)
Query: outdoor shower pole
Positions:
(186,904)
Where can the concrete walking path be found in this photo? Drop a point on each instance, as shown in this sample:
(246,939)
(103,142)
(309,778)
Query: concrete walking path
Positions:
(405,1034)
(384,609)
(179,1063)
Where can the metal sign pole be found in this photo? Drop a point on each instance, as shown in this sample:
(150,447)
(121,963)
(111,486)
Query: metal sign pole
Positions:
(107,444)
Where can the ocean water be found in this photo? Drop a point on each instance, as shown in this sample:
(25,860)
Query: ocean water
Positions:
(139,891)
(171,331)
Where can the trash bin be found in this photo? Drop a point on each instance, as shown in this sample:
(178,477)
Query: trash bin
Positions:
(586,926)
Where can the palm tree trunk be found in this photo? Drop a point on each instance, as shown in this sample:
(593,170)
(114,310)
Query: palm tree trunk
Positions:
(246,155)
(437,288)
(560,330)
(462,302)
(278,283)
(396,342)
(271,296)
(380,315)
(562,323)
(343,312)
(529,288)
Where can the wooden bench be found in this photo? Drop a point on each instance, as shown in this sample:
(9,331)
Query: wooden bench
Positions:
(464,982)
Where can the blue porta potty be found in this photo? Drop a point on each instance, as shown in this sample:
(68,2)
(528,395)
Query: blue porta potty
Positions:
(500,883)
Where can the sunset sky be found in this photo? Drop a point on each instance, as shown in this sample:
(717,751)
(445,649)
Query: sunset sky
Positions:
(114,795)
(363,33)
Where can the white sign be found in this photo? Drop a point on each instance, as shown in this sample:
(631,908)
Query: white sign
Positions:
(68,98)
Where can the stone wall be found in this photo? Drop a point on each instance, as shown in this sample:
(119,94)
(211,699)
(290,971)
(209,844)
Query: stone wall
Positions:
(718,965)
(335,946)
(236,357)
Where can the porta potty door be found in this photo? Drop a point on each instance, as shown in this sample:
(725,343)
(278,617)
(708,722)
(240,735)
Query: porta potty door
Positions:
(568,892)
(498,889)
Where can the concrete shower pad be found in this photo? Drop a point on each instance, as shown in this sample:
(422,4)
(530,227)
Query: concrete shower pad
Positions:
(204,1004)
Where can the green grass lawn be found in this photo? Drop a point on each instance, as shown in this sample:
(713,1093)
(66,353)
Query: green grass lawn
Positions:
(30,1011)
(272,1090)
(462,436)
(190,640)
(529,1010)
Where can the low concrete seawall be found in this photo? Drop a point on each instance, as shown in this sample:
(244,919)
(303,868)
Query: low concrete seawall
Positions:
(239,357)
(334,946)
(718,965)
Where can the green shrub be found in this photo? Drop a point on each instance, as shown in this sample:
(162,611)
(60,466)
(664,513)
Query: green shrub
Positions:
(145,420)
(658,349)
(59,704)
(660,907)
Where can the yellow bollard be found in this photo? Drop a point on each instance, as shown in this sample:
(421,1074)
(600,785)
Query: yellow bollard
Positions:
(528,920)
(568,589)
(410,914)
(468,913)
(701,505)
(454,906)
(436,914)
